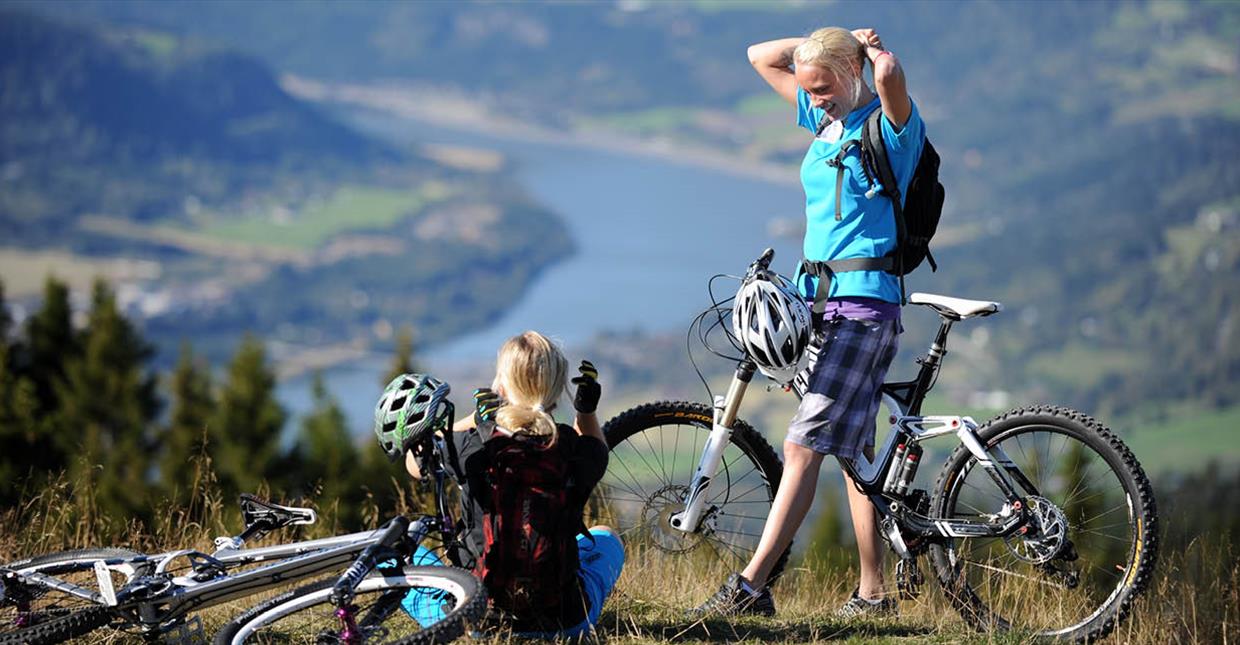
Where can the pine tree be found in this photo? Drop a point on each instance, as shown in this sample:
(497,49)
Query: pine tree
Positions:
(245,433)
(402,360)
(50,343)
(6,319)
(185,437)
(19,430)
(327,455)
(107,404)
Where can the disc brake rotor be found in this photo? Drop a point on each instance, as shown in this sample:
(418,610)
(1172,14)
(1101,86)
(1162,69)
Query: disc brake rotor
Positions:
(656,519)
(1047,535)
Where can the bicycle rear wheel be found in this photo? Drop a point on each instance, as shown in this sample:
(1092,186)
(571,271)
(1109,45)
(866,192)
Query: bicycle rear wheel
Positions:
(32,614)
(412,605)
(654,451)
(1091,544)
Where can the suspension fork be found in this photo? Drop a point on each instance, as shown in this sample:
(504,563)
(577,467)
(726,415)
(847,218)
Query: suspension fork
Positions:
(726,410)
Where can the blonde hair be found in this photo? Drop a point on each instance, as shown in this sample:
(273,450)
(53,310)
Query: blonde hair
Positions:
(533,373)
(834,49)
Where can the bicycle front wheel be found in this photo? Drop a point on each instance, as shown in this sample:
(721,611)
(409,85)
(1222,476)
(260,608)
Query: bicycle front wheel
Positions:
(412,605)
(1088,548)
(33,614)
(655,450)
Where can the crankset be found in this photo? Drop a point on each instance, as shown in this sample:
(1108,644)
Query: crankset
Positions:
(909,578)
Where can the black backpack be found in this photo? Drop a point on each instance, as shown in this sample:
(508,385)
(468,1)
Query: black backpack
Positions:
(529,555)
(916,219)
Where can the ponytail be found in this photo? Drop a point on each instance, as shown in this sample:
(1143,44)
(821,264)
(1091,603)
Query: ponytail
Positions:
(521,419)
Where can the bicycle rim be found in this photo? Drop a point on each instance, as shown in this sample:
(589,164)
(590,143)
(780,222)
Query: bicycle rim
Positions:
(410,605)
(655,449)
(1073,576)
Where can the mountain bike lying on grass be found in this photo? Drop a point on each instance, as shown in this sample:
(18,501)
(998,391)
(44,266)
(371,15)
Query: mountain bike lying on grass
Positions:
(1041,519)
(383,597)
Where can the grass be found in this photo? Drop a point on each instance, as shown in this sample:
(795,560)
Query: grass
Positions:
(1194,595)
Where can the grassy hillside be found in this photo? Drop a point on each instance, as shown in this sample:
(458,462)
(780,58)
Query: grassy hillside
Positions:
(1192,597)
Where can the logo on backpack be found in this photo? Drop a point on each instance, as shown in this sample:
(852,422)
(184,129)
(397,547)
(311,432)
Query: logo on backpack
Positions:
(529,553)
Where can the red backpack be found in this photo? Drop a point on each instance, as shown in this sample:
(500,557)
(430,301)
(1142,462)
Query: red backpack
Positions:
(529,552)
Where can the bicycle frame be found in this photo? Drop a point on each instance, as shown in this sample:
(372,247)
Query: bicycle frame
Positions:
(903,400)
(158,601)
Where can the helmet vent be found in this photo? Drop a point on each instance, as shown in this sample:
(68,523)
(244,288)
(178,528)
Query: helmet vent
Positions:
(398,403)
(389,426)
(415,417)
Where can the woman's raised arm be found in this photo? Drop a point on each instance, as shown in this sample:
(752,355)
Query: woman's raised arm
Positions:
(888,78)
(773,62)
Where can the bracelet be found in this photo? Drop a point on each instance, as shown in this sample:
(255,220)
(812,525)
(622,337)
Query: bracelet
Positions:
(880,55)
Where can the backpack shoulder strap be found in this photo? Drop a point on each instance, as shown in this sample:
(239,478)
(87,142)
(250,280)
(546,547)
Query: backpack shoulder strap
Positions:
(874,148)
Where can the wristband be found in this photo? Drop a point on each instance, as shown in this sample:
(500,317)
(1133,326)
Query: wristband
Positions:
(880,55)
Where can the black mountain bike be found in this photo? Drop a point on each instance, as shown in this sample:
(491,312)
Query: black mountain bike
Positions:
(1041,519)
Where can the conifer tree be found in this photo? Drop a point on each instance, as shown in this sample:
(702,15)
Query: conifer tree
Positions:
(245,432)
(185,436)
(18,414)
(326,452)
(6,319)
(402,360)
(50,343)
(107,404)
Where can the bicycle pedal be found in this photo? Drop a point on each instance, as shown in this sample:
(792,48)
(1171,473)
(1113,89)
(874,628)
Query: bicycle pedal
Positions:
(186,632)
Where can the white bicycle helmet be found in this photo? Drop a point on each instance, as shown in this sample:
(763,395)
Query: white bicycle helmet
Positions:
(773,323)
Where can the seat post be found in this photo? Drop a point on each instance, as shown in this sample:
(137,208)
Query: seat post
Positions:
(930,366)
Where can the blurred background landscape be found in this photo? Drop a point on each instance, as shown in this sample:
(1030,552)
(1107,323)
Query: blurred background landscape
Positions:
(224,224)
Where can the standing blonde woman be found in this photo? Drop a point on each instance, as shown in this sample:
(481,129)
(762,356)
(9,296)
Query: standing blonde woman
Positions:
(857,306)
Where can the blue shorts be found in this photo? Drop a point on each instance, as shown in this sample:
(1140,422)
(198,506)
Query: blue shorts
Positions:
(601,561)
(601,558)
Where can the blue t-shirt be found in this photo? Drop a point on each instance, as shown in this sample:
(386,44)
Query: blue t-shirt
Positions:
(867,227)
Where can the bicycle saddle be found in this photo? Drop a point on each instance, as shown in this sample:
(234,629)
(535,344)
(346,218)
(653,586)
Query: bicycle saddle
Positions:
(254,510)
(955,308)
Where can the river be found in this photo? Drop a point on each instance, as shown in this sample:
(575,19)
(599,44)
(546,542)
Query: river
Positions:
(649,232)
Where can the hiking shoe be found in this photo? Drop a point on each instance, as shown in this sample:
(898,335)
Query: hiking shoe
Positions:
(735,598)
(858,607)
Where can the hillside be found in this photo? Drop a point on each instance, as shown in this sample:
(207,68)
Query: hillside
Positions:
(216,199)
(1092,171)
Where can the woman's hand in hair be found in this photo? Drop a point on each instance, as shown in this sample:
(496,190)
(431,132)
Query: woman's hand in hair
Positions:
(869,39)
(888,77)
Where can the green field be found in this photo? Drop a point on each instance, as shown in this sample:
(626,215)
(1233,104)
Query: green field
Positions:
(350,208)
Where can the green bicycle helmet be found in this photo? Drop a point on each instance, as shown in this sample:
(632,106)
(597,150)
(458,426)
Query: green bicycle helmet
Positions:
(411,406)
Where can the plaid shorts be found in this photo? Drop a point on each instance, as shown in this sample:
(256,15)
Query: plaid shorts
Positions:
(840,392)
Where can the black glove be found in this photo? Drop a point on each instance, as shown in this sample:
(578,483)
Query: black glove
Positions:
(486,404)
(588,389)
